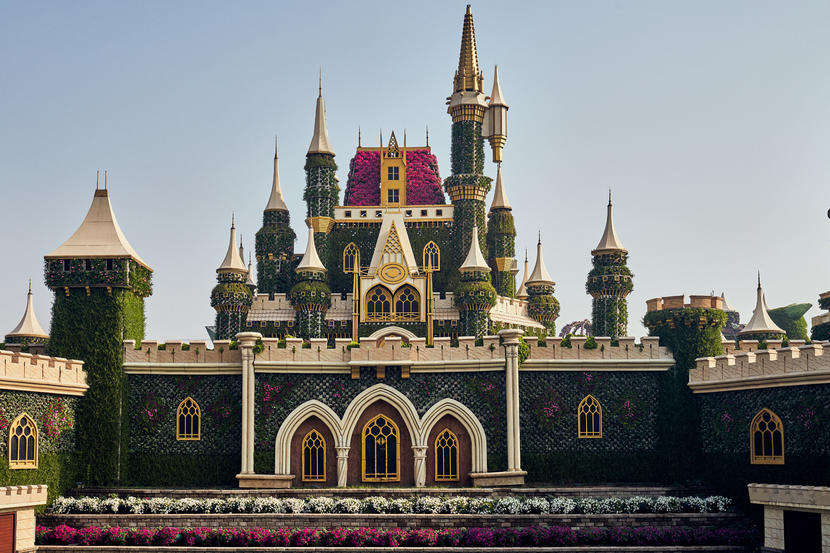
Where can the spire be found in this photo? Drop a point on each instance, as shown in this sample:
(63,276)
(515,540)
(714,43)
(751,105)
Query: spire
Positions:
(276,201)
(468,77)
(609,242)
(540,275)
(28,325)
(522,293)
(474,261)
(250,282)
(500,200)
(320,140)
(310,262)
(232,263)
(760,322)
(241,249)
(496,98)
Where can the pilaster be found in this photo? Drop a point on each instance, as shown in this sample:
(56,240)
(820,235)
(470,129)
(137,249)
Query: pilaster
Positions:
(247,341)
(419,453)
(342,465)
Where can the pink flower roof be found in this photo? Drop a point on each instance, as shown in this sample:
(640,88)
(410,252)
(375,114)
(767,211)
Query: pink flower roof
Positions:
(423,182)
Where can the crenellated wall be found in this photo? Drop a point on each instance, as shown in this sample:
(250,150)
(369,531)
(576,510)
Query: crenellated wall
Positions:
(624,348)
(178,351)
(40,373)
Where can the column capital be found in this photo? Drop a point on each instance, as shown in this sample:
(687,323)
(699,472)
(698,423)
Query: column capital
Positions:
(342,451)
(248,339)
(511,336)
(419,451)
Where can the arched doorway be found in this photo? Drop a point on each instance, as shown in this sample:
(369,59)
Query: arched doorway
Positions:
(380,451)
(449,453)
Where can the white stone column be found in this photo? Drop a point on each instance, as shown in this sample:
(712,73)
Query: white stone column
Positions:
(774,528)
(342,465)
(825,532)
(419,453)
(247,340)
(510,337)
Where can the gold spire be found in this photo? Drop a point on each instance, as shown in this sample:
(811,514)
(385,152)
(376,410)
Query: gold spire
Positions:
(468,77)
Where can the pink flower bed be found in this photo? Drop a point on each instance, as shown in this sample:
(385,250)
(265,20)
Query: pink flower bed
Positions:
(540,536)
(423,182)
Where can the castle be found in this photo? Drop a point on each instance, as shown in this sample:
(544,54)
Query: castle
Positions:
(400,349)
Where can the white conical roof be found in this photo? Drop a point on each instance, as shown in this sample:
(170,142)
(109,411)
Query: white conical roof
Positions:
(475,261)
(609,241)
(28,325)
(522,293)
(496,98)
(500,200)
(98,236)
(276,201)
(320,140)
(726,305)
(310,261)
(250,282)
(761,322)
(540,273)
(232,263)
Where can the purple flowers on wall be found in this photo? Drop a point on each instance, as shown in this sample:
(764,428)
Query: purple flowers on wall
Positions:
(423,182)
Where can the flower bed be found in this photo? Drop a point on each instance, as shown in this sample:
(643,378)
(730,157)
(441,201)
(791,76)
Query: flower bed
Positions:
(382,505)
(368,537)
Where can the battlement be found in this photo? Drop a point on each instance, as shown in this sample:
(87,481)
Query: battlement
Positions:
(390,349)
(747,366)
(679,302)
(39,373)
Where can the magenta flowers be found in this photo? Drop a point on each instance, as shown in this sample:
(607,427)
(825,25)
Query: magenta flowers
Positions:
(423,182)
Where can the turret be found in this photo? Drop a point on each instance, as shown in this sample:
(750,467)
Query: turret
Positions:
(28,332)
(609,283)
(311,296)
(521,293)
(494,126)
(321,191)
(275,242)
(542,306)
(474,296)
(467,186)
(761,325)
(249,282)
(231,298)
(501,240)
(100,284)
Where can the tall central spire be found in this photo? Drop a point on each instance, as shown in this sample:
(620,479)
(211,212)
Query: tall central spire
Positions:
(276,201)
(320,140)
(468,76)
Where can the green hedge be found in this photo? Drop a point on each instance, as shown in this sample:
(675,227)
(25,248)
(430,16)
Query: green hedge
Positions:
(566,467)
(59,471)
(150,469)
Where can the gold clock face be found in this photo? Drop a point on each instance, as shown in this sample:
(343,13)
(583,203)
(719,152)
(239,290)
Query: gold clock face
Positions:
(392,273)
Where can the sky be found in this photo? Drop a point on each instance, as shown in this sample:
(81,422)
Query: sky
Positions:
(709,120)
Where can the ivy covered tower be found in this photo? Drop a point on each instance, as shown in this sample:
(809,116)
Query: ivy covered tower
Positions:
(231,298)
(275,242)
(311,296)
(321,190)
(501,240)
(541,305)
(609,283)
(100,284)
(467,186)
(474,296)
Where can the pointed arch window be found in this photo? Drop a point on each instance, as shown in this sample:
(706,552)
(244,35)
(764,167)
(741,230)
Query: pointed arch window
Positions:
(188,420)
(446,456)
(432,257)
(314,457)
(23,443)
(589,415)
(378,304)
(351,258)
(766,439)
(381,450)
(407,304)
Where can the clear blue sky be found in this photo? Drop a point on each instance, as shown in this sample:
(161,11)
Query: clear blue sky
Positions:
(710,120)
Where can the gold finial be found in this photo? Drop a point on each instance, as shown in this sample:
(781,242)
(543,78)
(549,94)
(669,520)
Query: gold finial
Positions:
(468,76)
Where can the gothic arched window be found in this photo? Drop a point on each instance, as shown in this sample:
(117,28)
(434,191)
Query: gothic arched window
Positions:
(188,420)
(314,457)
(378,304)
(766,439)
(23,443)
(589,414)
(407,304)
(446,456)
(381,451)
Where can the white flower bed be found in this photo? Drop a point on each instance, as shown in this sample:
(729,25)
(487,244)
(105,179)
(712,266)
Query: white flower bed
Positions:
(425,504)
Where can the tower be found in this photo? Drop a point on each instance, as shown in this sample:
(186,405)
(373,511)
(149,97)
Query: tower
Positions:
(321,190)
(760,325)
(100,284)
(467,186)
(501,240)
(609,283)
(311,296)
(275,242)
(231,297)
(541,305)
(474,295)
(28,332)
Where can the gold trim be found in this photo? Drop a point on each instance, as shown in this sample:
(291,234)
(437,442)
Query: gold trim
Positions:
(467,192)
(321,224)
(388,477)
(194,412)
(454,443)
(315,449)
(753,428)
(23,463)
(584,408)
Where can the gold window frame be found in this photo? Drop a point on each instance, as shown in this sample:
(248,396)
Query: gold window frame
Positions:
(390,297)
(584,409)
(438,451)
(762,459)
(406,315)
(196,417)
(363,435)
(313,434)
(27,463)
